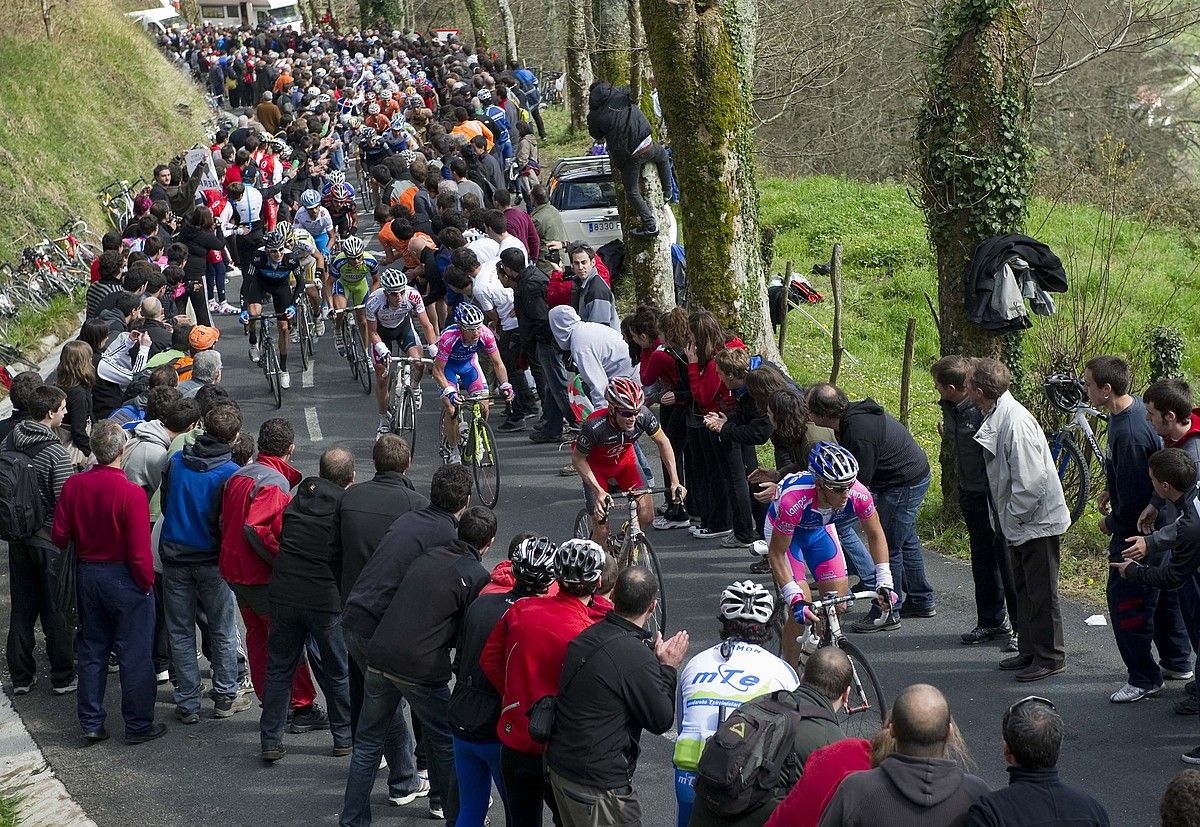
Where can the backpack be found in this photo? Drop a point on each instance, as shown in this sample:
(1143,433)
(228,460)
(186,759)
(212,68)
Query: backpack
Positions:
(22,511)
(746,759)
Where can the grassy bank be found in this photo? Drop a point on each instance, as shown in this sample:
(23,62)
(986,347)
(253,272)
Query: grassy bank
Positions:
(10,808)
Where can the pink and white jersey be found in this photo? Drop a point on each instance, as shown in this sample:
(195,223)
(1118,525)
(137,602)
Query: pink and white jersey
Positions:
(795,506)
(452,348)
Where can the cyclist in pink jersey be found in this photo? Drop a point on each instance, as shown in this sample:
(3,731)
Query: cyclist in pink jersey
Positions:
(456,366)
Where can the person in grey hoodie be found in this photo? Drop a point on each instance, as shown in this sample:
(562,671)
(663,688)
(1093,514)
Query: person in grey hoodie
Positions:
(599,351)
(593,299)
(33,563)
(918,783)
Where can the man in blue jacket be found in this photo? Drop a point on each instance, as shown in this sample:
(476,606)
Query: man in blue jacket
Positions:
(192,484)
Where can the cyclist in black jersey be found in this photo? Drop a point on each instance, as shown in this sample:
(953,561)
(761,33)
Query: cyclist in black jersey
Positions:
(270,274)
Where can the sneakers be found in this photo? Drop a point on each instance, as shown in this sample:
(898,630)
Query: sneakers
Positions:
(982,634)
(214,306)
(307,719)
(24,688)
(272,754)
(421,791)
(227,309)
(762,566)
(733,542)
(644,232)
(1012,645)
(541,437)
(185,717)
(228,707)
(873,623)
(255,354)
(1172,675)
(568,470)
(66,689)
(516,423)
(416,394)
(1129,694)
(759,548)
(285,379)
(162,677)
(908,610)
(663,523)
(435,809)
(1191,756)
(1188,706)
(709,534)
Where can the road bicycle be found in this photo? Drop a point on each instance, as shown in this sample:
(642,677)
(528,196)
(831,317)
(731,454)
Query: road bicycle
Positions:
(402,402)
(356,351)
(477,447)
(630,545)
(866,708)
(116,199)
(1079,474)
(306,330)
(269,360)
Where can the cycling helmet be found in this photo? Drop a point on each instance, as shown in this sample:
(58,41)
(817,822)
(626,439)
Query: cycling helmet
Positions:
(321,72)
(408,156)
(533,563)
(624,394)
(397,124)
(370,96)
(368,133)
(372,109)
(340,193)
(386,95)
(578,562)
(277,144)
(303,242)
(274,240)
(353,246)
(323,98)
(310,199)
(748,601)
(468,316)
(484,96)
(336,177)
(284,228)
(393,280)
(833,464)
(1064,391)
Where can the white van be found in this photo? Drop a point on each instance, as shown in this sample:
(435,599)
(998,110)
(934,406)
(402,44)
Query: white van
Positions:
(158,21)
(252,13)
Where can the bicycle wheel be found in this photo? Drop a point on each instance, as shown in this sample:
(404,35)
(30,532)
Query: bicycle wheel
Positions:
(864,712)
(404,417)
(348,346)
(362,366)
(1072,471)
(583,525)
(643,555)
(485,465)
(271,361)
(304,333)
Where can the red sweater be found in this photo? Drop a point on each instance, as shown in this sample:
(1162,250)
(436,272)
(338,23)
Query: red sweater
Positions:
(108,519)
(658,365)
(523,659)
(708,391)
(823,772)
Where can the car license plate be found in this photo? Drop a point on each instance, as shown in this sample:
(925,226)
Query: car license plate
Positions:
(604,226)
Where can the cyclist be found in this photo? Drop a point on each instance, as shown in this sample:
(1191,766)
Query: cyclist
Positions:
(723,677)
(352,276)
(800,532)
(315,219)
(456,367)
(390,312)
(305,247)
(269,274)
(334,178)
(339,202)
(603,451)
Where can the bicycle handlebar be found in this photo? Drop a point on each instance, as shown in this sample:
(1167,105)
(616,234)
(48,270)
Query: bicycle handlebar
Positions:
(411,359)
(267,317)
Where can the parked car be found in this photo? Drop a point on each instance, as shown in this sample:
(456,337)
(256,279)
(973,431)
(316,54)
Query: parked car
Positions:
(582,190)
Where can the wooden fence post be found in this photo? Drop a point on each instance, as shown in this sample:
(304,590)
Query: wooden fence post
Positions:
(910,341)
(835,278)
(785,303)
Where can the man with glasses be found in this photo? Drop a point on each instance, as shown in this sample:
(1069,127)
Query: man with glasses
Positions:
(801,534)
(1033,734)
(603,451)
(390,313)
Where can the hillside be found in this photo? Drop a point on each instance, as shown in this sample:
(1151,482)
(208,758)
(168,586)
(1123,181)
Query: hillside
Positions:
(96,103)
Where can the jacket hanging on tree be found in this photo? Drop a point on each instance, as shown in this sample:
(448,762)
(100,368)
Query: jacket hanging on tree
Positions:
(1004,273)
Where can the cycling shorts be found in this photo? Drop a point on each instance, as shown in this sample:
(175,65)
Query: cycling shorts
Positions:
(818,549)
(625,472)
(344,225)
(322,242)
(466,376)
(402,334)
(354,291)
(256,291)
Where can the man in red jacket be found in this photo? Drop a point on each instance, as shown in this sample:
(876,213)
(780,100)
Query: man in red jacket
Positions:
(107,519)
(251,523)
(523,658)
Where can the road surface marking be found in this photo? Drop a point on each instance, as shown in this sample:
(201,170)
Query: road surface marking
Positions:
(314,424)
(306,378)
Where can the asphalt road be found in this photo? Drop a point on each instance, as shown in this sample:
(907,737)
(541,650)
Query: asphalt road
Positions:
(211,773)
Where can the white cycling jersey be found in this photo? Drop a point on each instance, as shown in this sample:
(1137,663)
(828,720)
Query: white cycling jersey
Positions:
(709,682)
(379,311)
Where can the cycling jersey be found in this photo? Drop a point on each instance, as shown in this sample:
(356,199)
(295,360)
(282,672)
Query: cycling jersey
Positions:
(383,314)
(604,441)
(452,349)
(343,269)
(794,513)
(263,268)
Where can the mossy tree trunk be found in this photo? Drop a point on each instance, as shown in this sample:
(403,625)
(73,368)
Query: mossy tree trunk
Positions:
(703,54)
(480,22)
(510,30)
(579,67)
(974,159)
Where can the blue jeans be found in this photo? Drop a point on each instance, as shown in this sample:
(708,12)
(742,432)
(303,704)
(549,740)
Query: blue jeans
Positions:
(476,766)
(381,696)
(856,551)
(183,588)
(115,616)
(685,794)
(898,509)
(290,628)
(398,742)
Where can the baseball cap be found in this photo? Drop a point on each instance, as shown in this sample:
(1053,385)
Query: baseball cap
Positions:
(203,337)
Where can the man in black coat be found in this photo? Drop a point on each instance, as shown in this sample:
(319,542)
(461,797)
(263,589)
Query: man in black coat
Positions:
(612,687)
(1035,796)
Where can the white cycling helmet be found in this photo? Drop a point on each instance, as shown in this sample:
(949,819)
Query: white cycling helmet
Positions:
(336,177)
(832,464)
(303,241)
(468,316)
(393,280)
(310,199)
(353,246)
(747,601)
(578,562)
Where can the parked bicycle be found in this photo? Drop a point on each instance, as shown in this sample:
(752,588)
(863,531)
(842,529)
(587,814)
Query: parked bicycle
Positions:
(477,447)
(402,402)
(269,361)
(630,545)
(1078,473)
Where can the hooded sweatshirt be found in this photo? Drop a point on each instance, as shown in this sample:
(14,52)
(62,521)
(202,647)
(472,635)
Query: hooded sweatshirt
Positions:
(308,570)
(144,460)
(598,351)
(1165,537)
(932,792)
(614,119)
(192,483)
(887,454)
(49,459)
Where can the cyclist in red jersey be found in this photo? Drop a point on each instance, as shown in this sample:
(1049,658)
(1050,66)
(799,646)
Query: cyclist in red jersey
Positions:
(603,451)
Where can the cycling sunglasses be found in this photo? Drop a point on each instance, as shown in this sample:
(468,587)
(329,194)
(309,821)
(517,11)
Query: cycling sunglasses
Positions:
(835,489)
(626,413)
(1030,699)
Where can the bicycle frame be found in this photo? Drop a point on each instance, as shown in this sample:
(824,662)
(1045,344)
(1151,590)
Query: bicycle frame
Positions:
(1079,422)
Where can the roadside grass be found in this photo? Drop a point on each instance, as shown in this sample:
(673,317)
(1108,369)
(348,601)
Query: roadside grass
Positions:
(10,808)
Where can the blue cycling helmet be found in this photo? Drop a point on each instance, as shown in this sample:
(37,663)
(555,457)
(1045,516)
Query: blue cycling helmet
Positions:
(831,463)
(468,316)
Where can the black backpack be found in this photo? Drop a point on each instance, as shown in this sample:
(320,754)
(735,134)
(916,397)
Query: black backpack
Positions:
(751,753)
(22,511)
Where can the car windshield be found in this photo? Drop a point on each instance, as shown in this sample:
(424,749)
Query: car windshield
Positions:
(585,195)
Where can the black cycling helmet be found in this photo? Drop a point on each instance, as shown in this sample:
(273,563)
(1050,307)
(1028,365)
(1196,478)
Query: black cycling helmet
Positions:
(533,563)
